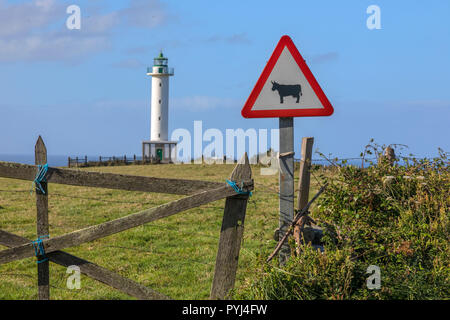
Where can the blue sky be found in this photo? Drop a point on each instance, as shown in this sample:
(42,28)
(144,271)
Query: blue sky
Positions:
(86,92)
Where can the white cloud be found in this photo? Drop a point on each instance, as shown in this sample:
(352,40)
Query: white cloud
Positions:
(129,64)
(50,47)
(428,103)
(324,57)
(138,50)
(18,19)
(120,104)
(237,38)
(203,103)
(190,103)
(145,13)
(100,23)
(35,31)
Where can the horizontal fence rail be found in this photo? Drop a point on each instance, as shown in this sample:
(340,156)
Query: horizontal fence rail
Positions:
(115,226)
(107,180)
(90,269)
(197,193)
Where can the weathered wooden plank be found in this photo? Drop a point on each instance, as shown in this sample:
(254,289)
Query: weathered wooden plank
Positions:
(303,183)
(108,180)
(111,227)
(90,269)
(305,176)
(286,181)
(40,155)
(231,235)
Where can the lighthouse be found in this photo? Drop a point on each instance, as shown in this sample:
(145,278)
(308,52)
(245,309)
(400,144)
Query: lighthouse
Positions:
(159,148)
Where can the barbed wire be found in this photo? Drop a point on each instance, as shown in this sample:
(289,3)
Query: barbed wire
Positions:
(316,178)
(265,189)
(24,275)
(97,199)
(13,191)
(339,159)
(261,188)
(56,194)
(361,158)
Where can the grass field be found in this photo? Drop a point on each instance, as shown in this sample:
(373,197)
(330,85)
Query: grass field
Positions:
(174,256)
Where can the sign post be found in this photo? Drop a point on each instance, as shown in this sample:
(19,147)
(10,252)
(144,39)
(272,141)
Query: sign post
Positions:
(286,89)
(286,181)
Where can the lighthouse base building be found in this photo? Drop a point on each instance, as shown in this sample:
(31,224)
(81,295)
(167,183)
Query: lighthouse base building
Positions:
(159,149)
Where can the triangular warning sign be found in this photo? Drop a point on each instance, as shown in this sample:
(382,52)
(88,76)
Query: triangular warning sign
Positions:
(286,87)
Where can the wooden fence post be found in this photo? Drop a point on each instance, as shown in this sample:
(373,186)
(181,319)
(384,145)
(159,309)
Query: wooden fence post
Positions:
(231,235)
(40,152)
(304,181)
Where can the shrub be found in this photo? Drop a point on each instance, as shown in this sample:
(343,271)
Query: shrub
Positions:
(395,216)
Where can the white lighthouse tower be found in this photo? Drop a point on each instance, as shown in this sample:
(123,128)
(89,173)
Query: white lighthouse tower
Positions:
(159,148)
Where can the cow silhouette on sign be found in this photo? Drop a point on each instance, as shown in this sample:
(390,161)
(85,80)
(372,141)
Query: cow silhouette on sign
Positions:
(285,90)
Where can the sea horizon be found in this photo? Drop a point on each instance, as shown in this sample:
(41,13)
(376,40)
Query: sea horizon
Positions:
(53,160)
(62,160)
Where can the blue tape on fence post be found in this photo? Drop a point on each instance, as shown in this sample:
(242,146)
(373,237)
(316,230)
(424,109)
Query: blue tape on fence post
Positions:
(237,189)
(39,250)
(40,177)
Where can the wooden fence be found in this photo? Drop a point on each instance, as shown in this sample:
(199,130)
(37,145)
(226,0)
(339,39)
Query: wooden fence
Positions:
(197,193)
(79,162)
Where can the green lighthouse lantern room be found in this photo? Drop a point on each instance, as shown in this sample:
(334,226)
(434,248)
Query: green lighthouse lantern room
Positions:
(160,62)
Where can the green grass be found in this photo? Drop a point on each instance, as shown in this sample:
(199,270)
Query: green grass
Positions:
(174,256)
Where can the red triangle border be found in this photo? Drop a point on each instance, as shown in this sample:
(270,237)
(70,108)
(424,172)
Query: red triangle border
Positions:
(247,111)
